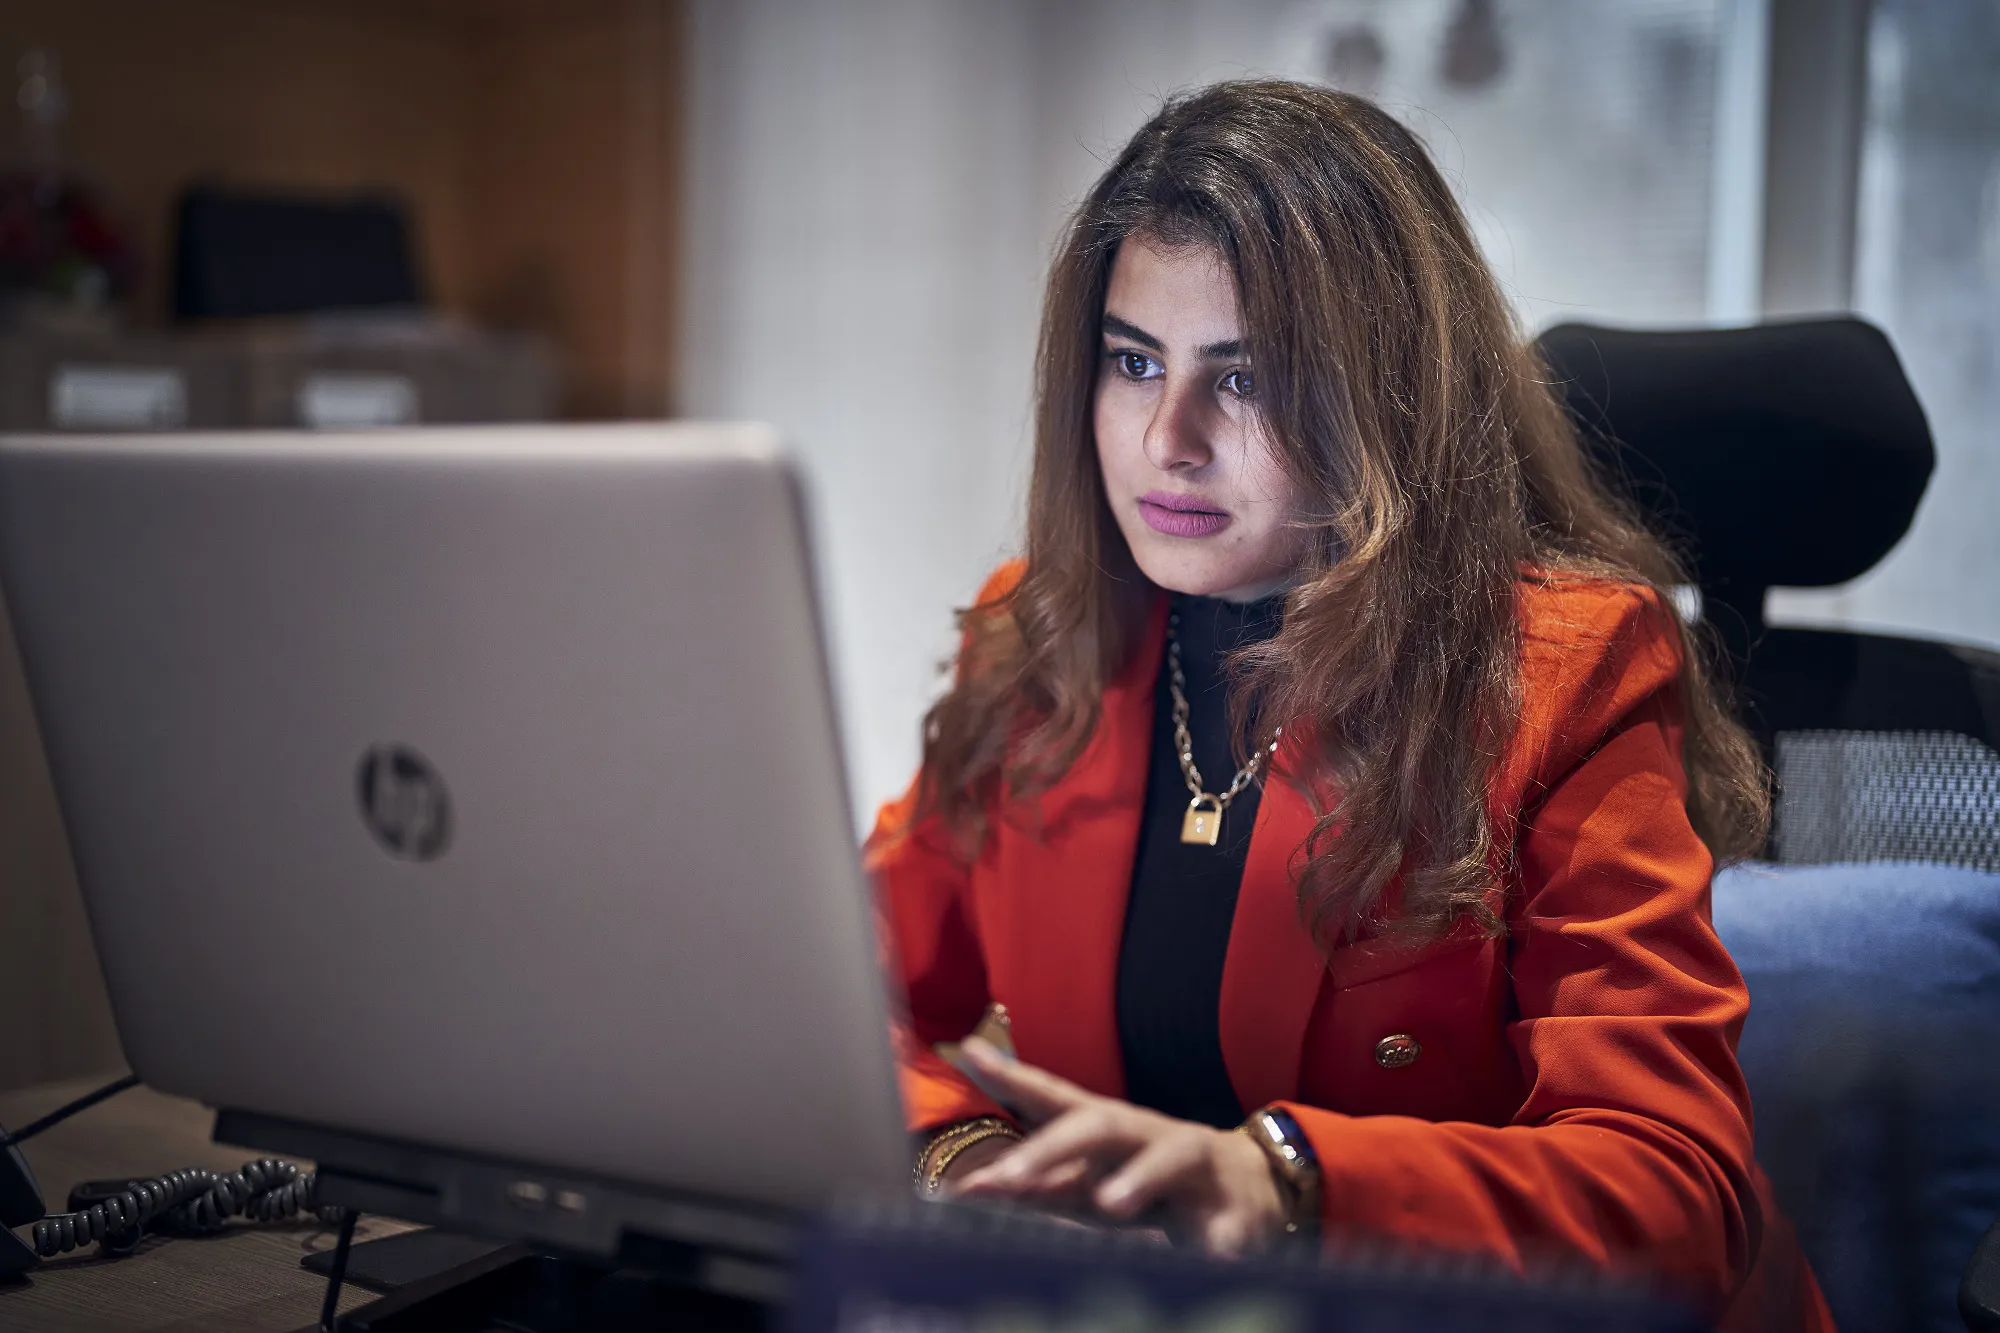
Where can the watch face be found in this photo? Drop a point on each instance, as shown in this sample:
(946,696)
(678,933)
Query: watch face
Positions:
(1289,1138)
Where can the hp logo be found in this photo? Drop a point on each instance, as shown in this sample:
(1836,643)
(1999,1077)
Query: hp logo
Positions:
(403,802)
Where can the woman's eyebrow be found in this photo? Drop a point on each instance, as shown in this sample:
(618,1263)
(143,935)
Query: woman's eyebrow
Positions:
(1211,352)
(1113,324)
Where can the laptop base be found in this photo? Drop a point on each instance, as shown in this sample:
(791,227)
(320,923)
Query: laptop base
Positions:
(691,1243)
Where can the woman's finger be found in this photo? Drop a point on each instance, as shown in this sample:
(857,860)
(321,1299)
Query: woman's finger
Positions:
(1066,1185)
(1084,1135)
(1170,1165)
(1069,1181)
(1035,1094)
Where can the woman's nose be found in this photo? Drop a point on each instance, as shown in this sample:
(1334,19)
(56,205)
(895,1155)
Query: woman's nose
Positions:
(1177,436)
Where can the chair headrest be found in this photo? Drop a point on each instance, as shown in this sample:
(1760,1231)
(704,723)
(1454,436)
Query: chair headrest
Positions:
(1787,454)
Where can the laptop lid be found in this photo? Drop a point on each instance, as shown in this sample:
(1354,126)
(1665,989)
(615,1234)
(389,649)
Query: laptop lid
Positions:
(473,788)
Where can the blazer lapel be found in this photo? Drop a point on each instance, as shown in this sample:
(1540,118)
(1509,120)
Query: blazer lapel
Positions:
(1271,976)
(1071,884)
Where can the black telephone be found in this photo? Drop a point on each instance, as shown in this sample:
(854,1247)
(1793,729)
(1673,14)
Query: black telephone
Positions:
(20,1205)
(20,1197)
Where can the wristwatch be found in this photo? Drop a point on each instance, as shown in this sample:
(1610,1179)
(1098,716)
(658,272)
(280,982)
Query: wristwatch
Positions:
(1294,1164)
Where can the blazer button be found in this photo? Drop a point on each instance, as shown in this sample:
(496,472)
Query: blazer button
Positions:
(1398,1051)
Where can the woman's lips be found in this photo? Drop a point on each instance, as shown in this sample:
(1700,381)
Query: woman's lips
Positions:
(1180,515)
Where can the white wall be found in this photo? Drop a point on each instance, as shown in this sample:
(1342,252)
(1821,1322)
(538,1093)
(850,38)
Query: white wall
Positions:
(863,270)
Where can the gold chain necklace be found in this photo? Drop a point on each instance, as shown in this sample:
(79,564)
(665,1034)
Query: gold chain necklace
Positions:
(1202,824)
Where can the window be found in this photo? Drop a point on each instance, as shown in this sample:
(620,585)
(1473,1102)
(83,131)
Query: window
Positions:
(1928,271)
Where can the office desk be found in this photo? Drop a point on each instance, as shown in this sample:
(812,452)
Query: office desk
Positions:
(246,1278)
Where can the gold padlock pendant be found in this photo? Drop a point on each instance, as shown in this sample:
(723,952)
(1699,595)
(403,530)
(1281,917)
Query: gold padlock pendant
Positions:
(1201,826)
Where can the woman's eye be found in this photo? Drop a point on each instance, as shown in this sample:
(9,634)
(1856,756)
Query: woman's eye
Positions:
(1134,365)
(1240,383)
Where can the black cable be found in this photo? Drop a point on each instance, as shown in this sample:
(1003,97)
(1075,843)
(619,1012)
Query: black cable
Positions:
(329,1310)
(62,1113)
(191,1200)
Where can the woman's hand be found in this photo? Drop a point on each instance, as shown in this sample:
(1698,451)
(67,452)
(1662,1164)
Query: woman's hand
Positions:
(1216,1185)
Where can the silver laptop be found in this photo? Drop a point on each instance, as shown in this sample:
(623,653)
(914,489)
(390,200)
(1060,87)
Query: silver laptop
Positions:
(468,788)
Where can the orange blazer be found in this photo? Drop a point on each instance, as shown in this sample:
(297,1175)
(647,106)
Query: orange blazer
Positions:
(1575,1092)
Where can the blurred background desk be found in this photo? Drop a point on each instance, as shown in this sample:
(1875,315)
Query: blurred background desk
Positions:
(246,1278)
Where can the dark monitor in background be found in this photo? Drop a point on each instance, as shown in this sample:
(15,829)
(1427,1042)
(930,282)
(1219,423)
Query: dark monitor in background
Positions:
(254,255)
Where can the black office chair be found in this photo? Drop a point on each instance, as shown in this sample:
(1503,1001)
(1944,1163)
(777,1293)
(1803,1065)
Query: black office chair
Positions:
(1795,455)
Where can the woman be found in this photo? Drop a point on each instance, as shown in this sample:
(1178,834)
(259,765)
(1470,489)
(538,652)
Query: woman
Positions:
(1333,767)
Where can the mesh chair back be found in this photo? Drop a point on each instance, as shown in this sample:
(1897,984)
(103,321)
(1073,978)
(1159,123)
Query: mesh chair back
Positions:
(1931,796)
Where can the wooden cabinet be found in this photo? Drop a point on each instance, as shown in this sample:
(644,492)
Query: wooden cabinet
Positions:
(538,143)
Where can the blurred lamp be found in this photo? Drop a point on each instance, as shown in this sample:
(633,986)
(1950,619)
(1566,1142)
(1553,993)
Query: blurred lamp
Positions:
(1353,59)
(1473,54)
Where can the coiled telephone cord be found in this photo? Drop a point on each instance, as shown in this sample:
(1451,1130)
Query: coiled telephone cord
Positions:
(193,1199)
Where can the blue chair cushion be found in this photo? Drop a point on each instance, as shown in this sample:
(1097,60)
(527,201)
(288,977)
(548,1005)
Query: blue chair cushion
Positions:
(1873,1055)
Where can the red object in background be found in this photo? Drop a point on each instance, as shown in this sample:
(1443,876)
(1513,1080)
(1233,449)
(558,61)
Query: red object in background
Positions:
(56,240)
(58,246)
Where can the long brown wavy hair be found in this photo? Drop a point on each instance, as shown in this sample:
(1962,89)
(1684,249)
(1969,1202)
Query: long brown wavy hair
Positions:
(1436,463)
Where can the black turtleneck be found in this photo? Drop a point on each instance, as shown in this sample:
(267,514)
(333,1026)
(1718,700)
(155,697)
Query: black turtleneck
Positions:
(1183,897)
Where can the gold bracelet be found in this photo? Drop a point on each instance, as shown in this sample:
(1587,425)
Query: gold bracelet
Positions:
(938,1139)
(944,1138)
(945,1146)
(945,1156)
